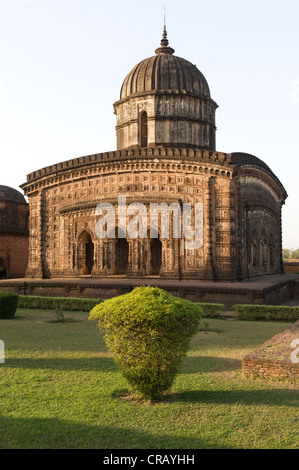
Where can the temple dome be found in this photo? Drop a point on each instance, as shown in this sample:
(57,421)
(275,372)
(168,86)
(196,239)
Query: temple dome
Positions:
(165,72)
(10,194)
(165,101)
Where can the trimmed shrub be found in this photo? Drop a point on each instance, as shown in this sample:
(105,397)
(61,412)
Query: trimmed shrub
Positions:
(266,312)
(8,304)
(211,310)
(149,331)
(52,303)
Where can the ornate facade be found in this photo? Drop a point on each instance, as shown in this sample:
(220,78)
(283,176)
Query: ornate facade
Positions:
(165,123)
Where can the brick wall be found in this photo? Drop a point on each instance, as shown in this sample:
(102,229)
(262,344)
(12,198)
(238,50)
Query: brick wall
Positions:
(291,266)
(273,358)
(269,368)
(14,251)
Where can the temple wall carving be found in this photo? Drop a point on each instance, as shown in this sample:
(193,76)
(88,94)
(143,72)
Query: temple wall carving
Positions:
(239,236)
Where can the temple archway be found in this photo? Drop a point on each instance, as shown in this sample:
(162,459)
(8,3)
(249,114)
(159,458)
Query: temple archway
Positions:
(2,268)
(122,255)
(156,255)
(143,132)
(86,253)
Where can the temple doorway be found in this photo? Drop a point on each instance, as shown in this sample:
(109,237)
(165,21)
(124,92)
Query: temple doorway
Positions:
(156,255)
(2,269)
(86,259)
(122,255)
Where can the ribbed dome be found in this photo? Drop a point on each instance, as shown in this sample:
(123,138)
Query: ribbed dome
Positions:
(165,72)
(11,194)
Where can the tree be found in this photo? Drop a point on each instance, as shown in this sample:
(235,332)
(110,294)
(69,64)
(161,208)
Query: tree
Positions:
(290,253)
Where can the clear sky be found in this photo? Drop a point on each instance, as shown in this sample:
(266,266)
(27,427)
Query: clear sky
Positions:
(62,64)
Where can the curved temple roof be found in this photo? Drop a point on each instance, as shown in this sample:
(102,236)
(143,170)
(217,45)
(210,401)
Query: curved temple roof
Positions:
(165,72)
(11,194)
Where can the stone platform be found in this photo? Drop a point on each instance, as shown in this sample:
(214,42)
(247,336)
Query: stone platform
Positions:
(272,290)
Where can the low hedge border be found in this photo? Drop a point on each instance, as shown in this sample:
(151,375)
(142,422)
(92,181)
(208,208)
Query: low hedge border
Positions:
(71,304)
(266,312)
(211,310)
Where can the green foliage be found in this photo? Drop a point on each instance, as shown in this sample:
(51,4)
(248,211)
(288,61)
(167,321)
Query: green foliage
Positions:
(286,253)
(59,314)
(290,253)
(53,303)
(8,304)
(149,332)
(211,310)
(267,312)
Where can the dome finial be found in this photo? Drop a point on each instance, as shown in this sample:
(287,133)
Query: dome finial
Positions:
(164,49)
(164,40)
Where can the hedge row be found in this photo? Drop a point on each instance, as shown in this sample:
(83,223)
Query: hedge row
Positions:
(85,305)
(211,310)
(53,303)
(8,304)
(266,312)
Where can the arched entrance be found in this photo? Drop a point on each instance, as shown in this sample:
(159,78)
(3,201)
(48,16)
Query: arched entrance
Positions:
(143,129)
(122,255)
(156,255)
(86,253)
(2,269)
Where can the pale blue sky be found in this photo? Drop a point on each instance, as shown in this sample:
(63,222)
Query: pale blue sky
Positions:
(62,64)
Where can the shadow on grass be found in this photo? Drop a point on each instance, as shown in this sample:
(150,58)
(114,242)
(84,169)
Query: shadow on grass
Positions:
(278,397)
(220,397)
(193,365)
(104,364)
(41,433)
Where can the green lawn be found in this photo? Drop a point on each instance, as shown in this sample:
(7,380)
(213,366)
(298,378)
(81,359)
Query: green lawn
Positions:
(60,388)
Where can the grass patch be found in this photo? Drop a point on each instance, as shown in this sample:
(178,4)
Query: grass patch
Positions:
(60,388)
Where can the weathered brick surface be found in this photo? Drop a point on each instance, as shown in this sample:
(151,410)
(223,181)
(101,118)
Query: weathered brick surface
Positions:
(268,368)
(291,266)
(240,236)
(273,358)
(14,250)
(14,243)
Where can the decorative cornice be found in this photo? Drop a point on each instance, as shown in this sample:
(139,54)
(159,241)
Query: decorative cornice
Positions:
(178,93)
(126,156)
(265,207)
(82,206)
(193,160)
(264,173)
